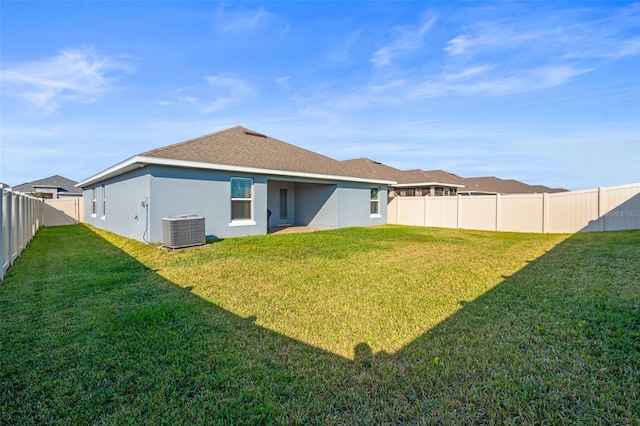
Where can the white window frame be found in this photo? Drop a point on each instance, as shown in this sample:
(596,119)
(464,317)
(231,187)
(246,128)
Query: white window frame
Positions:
(243,221)
(94,202)
(374,201)
(104,203)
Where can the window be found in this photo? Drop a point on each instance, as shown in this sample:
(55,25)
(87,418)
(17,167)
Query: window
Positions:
(104,202)
(94,202)
(241,199)
(375,201)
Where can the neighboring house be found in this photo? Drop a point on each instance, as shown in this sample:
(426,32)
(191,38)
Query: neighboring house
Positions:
(410,183)
(433,183)
(492,185)
(53,187)
(232,178)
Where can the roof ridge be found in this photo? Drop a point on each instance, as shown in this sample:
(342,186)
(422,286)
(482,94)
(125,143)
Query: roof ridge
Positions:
(173,145)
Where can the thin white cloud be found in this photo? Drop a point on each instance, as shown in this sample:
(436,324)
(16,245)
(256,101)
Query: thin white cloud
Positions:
(478,81)
(242,21)
(284,82)
(607,49)
(489,37)
(223,91)
(73,76)
(487,80)
(473,71)
(406,39)
(574,33)
(342,52)
(460,44)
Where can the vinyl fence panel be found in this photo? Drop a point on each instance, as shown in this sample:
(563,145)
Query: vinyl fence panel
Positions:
(392,210)
(21,218)
(599,209)
(441,212)
(572,211)
(621,208)
(63,211)
(411,211)
(521,213)
(478,212)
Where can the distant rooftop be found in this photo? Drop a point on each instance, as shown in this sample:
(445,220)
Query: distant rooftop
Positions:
(494,185)
(60,183)
(365,166)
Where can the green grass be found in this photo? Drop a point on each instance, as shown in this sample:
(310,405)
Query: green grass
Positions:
(354,326)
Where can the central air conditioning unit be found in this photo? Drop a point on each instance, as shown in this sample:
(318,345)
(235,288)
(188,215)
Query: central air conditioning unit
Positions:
(183,231)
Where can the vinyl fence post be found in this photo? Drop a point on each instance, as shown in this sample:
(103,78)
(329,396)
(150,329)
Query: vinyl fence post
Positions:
(545,206)
(21,222)
(498,212)
(28,228)
(16,225)
(601,209)
(10,242)
(458,206)
(425,211)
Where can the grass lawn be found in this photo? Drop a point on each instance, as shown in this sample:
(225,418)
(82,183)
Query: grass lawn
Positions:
(355,326)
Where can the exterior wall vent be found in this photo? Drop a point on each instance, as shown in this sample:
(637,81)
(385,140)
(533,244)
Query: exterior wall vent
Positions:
(183,231)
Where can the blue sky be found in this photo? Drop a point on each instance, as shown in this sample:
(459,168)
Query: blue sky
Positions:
(543,92)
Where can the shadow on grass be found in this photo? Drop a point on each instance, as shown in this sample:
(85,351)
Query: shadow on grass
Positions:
(90,335)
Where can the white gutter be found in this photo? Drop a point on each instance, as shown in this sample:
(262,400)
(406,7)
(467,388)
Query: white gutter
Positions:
(118,169)
(139,161)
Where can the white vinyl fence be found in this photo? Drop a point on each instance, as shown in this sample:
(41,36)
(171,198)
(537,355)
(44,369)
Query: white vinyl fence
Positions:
(21,217)
(63,211)
(600,209)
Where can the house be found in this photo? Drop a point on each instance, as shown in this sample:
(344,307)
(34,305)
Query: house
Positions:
(491,185)
(410,183)
(433,183)
(53,187)
(241,181)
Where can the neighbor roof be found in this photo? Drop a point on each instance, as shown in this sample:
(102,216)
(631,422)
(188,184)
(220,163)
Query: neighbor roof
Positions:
(56,181)
(365,166)
(429,177)
(240,149)
(494,185)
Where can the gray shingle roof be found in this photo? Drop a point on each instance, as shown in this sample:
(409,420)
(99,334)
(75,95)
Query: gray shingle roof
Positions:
(239,146)
(492,184)
(429,176)
(361,166)
(55,181)
(366,167)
